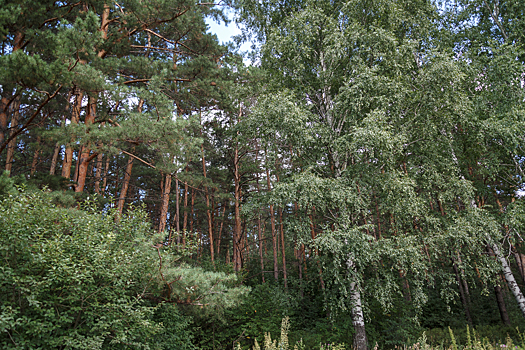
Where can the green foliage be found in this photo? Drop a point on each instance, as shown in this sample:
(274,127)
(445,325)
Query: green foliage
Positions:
(73,278)
(81,279)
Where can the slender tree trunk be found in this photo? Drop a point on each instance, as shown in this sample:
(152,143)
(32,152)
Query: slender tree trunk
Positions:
(177,212)
(462,294)
(192,217)
(511,281)
(36,155)
(282,247)
(520,261)
(105,178)
(274,234)
(261,240)
(98,173)
(219,237)
(185,222)
(125,185)
(358,320)
(166,189)
(54,159)
(501,306)
(84,158)
(237,233)
(312,231)
(68,154)
(13,126)
(3,118)
(208,211)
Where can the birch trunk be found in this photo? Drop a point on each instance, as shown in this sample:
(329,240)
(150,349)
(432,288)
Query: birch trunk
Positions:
(511,281)
(358,320)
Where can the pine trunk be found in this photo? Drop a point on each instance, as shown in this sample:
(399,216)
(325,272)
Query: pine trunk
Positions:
(68,154)
(166,189)
(84,158)
(237,233)
(125,185)
(36,156)
(208,211)
(3,118)
(98,173)
(13,126)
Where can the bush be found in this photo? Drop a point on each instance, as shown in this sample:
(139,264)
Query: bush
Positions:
(76,278)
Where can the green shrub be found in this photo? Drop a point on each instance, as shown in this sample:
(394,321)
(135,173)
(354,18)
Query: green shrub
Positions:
(77,279)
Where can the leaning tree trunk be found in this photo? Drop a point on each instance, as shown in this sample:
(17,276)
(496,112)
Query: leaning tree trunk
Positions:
(511,281)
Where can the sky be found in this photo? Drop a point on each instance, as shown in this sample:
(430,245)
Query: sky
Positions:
(225,33)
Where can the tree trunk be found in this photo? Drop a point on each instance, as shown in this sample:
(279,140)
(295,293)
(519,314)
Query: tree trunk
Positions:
(98,173)
(520,261)
(358,320)
(166,189)
(84,158)
(177,209)
(208,211)
(68,154)
(219,236)
(36,155)
(282,247)
(13,126)
(192,217)
(237,232)
(501,306)
(274,235)
(261,240)
(513,286)
(125,185)
(105,176)
(462,294)
(3,118)
(312,231)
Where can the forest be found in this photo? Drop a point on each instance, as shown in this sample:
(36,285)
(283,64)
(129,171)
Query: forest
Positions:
(355,181)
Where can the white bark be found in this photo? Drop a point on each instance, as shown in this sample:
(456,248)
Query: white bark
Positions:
(358,320)
(511,281)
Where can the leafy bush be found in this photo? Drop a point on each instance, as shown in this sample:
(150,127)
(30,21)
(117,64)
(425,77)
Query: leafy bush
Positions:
(77,279)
